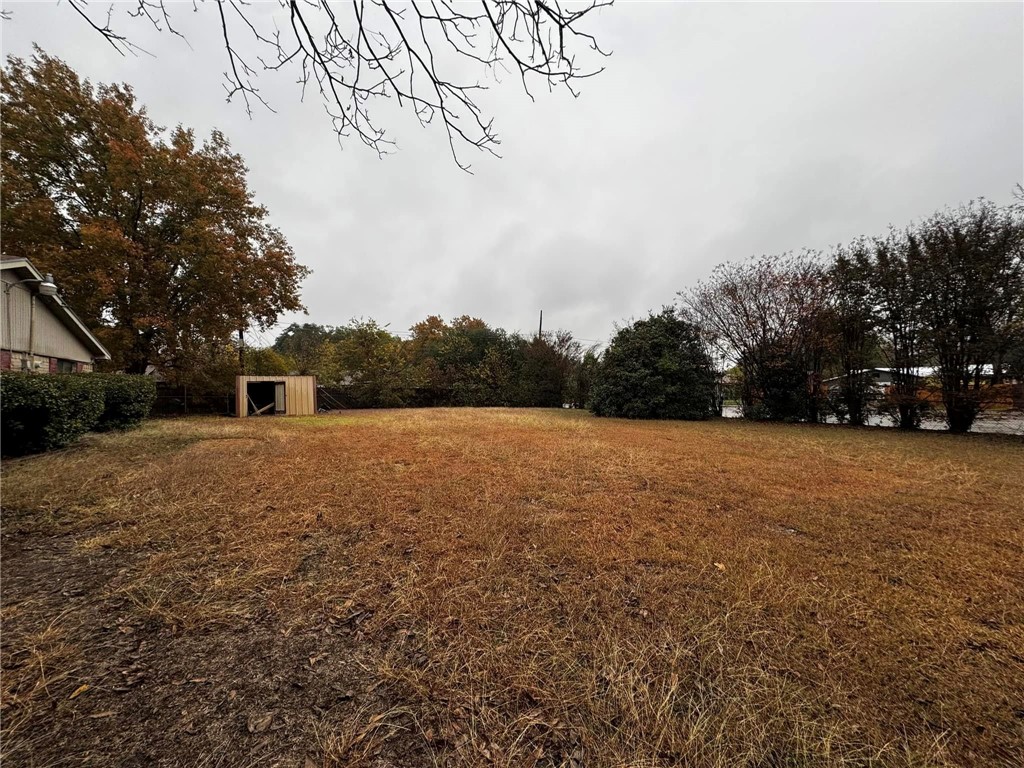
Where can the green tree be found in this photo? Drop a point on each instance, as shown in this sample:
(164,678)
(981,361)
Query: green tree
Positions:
(303,345)
(582,378)
(853,329)
(892,268)
(969,288)
(467,362)
(656,368)
(547,369)
(267,361)
(155,239)
(371,362)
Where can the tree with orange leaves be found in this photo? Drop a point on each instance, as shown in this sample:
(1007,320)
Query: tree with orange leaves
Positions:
(155,239)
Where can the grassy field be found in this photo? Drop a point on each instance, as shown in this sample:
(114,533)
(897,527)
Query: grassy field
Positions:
(514,588)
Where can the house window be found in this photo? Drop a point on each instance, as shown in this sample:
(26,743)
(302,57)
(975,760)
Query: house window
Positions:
(66,366)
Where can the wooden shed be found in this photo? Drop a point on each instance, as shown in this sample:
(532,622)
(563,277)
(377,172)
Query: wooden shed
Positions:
(275,395)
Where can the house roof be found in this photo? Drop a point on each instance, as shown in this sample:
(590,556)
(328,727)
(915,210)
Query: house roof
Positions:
(921,372)
(25,270)
(926,371)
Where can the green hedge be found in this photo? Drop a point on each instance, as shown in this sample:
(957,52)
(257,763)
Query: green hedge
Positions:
(41,412)
(128,400)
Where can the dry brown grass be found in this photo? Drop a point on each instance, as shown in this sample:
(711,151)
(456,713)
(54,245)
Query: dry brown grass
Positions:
(546,588)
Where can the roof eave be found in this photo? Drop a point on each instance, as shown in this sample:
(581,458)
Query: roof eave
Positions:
(78,328)
(63,311)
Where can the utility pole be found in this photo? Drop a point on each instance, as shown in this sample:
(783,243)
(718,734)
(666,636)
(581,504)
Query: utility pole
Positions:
(540,328)
(241,351)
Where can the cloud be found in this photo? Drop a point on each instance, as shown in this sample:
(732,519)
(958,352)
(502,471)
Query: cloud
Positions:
(716,132)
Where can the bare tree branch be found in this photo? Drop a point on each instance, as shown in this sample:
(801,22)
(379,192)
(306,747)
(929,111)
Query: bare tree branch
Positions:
(120,43)
(383,49)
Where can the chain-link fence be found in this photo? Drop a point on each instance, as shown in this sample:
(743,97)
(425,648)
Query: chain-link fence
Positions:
(174,400)
(1003,417)
(1001,410)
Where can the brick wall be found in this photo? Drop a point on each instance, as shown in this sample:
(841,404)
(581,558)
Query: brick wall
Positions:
(18,361)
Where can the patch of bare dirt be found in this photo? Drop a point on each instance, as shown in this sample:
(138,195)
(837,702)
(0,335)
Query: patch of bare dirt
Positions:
(91,684)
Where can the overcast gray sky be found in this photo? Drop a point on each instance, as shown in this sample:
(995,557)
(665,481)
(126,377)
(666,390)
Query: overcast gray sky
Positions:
(716,132)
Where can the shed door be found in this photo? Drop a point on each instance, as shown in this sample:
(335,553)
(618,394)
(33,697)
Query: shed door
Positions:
(279,397)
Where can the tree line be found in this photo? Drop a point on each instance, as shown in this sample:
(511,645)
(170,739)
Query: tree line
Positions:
(657,367)
(462,362)
(795,337)
(158,243)
(940,303)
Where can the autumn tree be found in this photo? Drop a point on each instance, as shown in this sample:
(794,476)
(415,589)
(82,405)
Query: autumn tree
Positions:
(768,315)
(419,54)
(465,358)
(426,337)
(154,237)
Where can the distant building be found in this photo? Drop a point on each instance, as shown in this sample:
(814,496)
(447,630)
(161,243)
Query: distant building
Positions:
(881,378)
(41,333)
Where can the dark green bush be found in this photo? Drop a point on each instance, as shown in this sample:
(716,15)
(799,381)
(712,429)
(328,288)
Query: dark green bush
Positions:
(127,400)
(45,412)
(656,368)
(782,393)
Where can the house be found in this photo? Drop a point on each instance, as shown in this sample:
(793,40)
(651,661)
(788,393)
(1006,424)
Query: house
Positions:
(879,378)
(40,332)
(882,378)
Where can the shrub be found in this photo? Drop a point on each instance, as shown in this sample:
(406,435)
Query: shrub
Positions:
(656,368)
(782,393)
(45,412)
(127,400)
